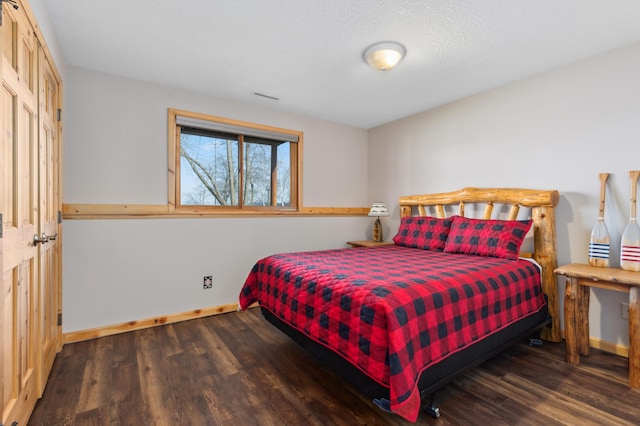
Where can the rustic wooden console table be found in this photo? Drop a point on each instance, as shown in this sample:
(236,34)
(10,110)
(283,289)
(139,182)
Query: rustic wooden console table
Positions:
(576,310)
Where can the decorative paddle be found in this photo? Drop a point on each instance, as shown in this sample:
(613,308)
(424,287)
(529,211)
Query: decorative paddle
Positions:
(630,251)
(599,241)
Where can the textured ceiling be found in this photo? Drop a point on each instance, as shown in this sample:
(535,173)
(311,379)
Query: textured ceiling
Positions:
(308,53)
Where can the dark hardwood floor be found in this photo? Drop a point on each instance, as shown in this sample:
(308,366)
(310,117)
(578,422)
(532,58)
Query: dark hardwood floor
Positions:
(237,369)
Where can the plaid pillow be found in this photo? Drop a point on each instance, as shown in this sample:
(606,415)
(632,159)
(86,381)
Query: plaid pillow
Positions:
(495,238)
(423,232)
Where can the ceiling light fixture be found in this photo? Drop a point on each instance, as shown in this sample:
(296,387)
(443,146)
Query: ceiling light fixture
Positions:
(385,55)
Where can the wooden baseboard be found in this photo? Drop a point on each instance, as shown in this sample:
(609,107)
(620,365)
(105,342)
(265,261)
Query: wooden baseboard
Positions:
(613,348)
(77,336)
(605,346)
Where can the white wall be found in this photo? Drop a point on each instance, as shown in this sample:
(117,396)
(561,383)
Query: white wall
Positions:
(41,15)
(554,131)
(115,151)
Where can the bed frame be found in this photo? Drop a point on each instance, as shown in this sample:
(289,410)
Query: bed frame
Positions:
(544,325)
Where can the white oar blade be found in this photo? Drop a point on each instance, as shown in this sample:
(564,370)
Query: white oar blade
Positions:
(599,245)
(630,250)
(630,247)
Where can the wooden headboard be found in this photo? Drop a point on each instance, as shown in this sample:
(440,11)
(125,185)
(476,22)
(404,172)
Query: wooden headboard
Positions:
(541,203)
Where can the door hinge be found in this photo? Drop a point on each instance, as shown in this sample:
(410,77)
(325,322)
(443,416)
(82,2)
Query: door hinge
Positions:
(59,114)
(59,216)
(59,319)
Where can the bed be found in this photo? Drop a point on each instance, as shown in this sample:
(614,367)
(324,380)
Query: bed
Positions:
(400,321)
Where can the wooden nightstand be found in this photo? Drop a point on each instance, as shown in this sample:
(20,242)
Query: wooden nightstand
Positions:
(369,243)
(576,310)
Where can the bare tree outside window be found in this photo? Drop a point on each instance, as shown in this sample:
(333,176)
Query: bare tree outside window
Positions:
(212,176)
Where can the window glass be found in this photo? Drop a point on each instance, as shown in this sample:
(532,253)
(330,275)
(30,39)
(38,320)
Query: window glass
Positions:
(208,168)
(225,164)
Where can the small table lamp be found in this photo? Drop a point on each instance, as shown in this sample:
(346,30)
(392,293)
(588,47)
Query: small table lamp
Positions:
(378,209)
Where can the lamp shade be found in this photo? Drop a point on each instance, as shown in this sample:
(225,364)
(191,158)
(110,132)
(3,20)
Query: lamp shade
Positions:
(384,56)
(378,209)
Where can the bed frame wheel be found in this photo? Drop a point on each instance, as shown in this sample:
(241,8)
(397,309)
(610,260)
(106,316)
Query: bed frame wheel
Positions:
(433,410)
(429,405)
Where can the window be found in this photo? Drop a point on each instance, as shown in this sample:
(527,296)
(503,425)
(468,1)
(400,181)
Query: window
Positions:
(222,164)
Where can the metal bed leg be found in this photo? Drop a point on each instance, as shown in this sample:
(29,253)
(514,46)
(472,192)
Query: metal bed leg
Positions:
(430,406)
(383,404)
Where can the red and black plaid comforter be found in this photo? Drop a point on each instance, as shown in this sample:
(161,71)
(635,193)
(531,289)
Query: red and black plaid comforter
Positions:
(393,311)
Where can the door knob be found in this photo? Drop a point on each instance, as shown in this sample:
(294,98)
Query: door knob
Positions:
(40,239)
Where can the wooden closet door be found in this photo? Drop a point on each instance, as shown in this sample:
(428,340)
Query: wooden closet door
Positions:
(49,293)
(18,205)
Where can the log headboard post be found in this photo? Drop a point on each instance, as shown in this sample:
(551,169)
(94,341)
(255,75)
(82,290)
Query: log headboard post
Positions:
(545,253)
(542,204)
